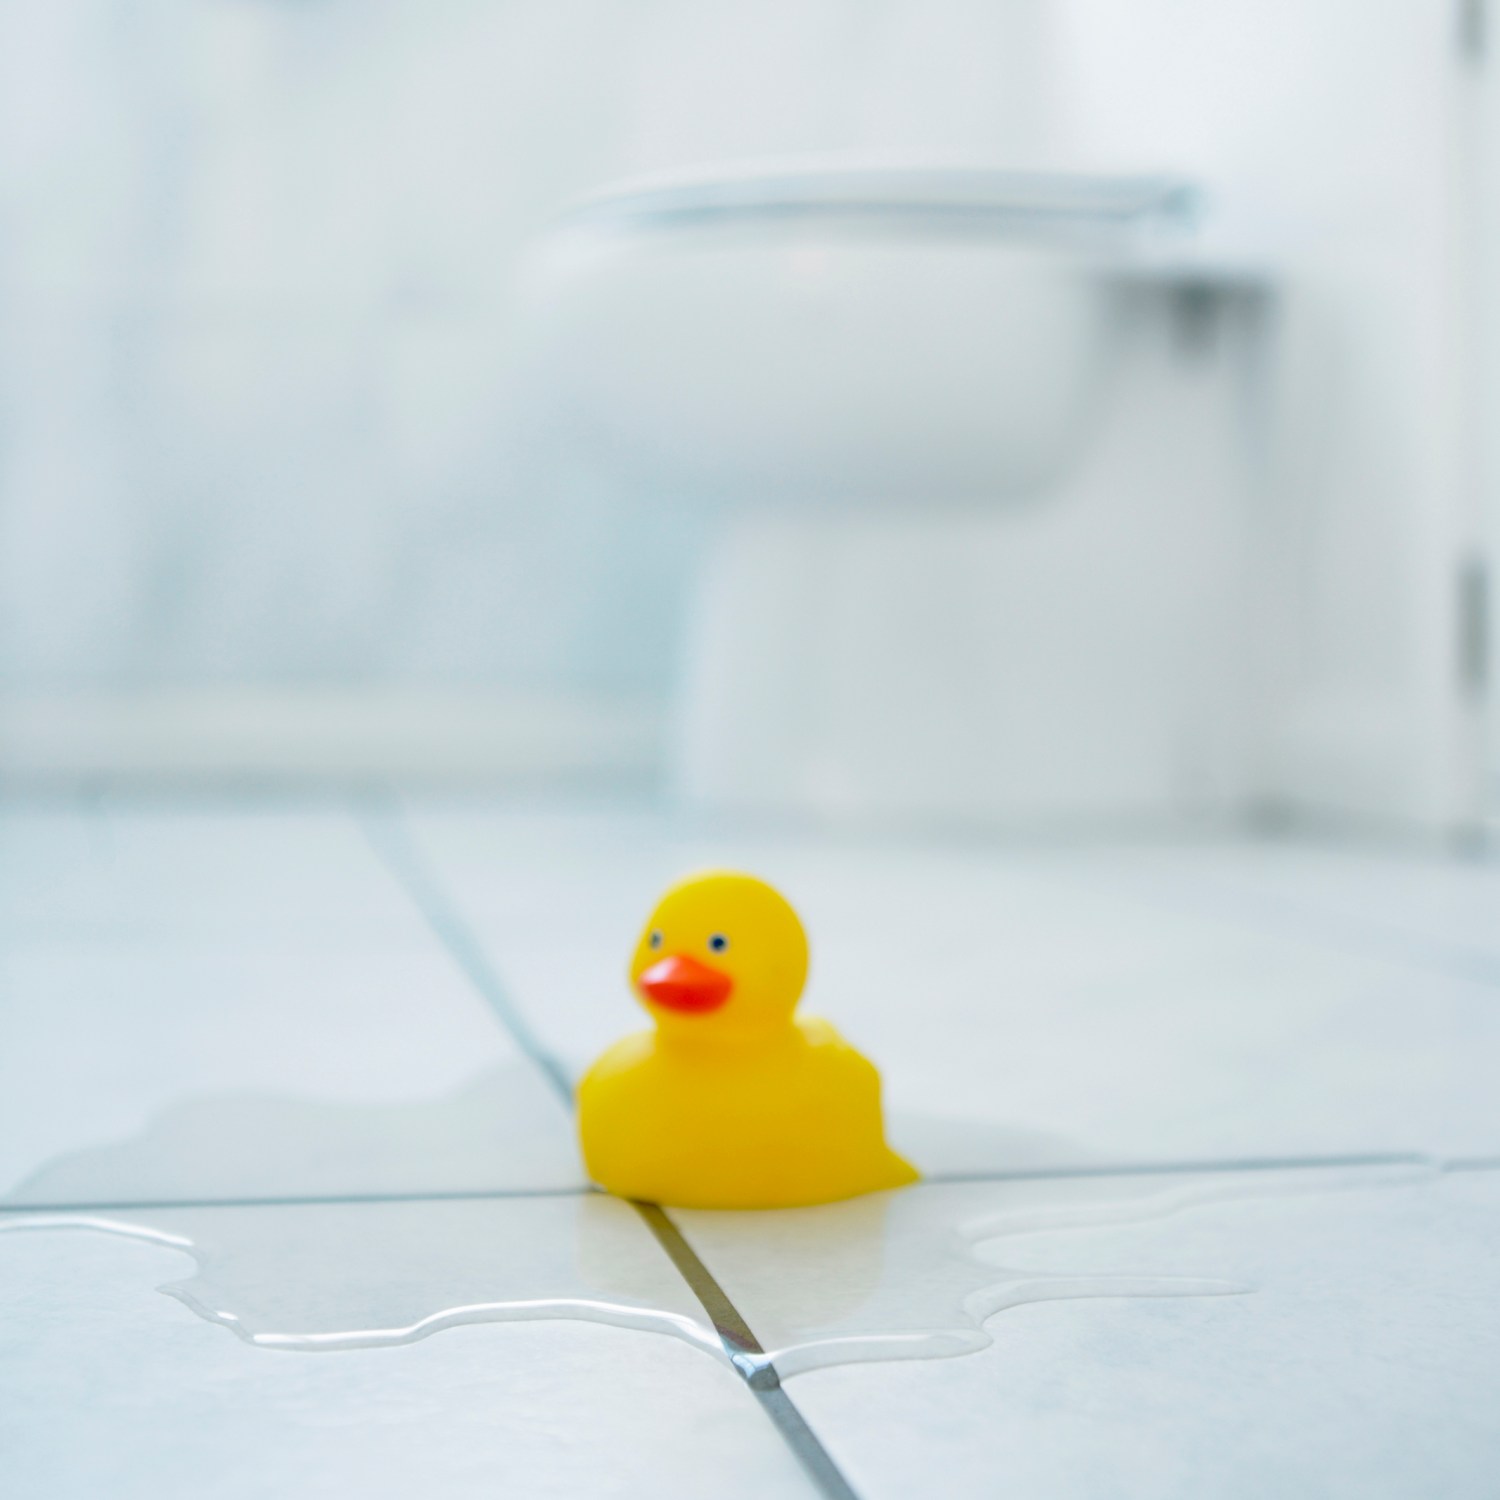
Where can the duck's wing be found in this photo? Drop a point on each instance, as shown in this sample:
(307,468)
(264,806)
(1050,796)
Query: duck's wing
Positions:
(820,1033)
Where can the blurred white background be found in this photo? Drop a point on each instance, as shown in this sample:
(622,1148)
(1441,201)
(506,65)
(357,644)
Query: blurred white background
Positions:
(266,503)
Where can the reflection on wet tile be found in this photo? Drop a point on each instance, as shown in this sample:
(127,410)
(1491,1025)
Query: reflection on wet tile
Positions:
(911,1274)
(102,1046)
(338,1276)
(946,1146)
(215,994)
(1365,1362)
(107,1388)
(920,1272)
(505,1130)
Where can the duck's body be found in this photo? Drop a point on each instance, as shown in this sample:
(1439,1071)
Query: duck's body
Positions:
(730,1101)
(792,1123)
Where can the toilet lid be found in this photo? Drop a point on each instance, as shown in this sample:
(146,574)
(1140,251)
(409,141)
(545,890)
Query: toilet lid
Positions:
(976,197)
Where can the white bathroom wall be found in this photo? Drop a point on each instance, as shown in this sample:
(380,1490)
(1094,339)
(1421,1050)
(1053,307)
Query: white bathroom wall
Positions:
(1264,614)
(1483,125)
(257,462)
(257,457)
(1330,135)
(253,290)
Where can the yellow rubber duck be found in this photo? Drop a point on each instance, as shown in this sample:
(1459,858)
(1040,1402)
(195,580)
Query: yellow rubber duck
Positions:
(730,1101)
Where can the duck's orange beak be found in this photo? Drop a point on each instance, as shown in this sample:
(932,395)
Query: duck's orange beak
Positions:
(682,983)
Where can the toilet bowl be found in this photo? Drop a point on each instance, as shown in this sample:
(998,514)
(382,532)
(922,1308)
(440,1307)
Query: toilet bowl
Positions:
(869,370)
(837,336)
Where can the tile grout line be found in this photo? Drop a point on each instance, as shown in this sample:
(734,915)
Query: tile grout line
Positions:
(1233,1164)
(930,1179)
(394,847)
(747,1355)
(300,1200)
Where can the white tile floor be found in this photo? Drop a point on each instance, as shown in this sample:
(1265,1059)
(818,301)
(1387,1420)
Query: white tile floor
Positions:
(333,1025)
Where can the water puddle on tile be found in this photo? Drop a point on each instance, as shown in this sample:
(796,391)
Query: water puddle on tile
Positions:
(921,1272)
(317,1277)
(949,1146)
(503,1130)
(502,1231)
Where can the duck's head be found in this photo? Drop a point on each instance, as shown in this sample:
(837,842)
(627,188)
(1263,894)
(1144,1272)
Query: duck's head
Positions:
(722,954)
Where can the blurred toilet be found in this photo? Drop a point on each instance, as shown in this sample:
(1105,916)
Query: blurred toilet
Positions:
(962,571)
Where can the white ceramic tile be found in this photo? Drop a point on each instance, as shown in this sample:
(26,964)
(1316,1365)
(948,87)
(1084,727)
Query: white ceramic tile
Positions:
(923,1272)
(1049,1005)
(245,1006)
(327,1276)
(110,1388)
(557,900)
(1365,1360)
(1442,911)
(222,875)
(1115,1026)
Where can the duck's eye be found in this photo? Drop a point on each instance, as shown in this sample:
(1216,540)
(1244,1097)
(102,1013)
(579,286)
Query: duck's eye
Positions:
(654,940)
(718,942)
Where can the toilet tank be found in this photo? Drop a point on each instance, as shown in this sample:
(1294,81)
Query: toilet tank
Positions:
(830,335)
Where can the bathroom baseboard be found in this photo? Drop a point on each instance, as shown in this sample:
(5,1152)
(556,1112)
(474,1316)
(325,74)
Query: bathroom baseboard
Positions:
(296,736)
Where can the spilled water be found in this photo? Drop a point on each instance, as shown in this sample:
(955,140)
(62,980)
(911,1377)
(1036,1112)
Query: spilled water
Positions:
(919,1273)
(507,1235)
(331,1276)
(504,1129)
